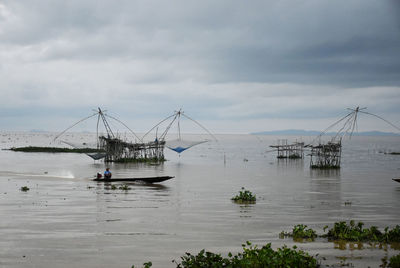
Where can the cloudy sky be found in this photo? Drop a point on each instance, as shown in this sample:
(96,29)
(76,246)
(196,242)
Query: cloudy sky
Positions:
(235,66)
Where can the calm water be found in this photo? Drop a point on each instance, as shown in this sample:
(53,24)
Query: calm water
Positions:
(66,220)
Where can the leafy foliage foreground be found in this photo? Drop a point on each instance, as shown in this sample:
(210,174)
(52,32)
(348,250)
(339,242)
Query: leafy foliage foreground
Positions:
(252,256)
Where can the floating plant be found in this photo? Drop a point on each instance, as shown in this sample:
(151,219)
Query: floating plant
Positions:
(124,187)
(394,261)
(24,188)
(348,232)
(245,196)
(300,231)
(252,256)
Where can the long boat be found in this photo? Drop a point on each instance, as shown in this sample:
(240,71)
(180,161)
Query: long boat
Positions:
(143,179)
(398,180)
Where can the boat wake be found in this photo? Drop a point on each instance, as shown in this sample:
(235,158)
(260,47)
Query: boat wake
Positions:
(45,174)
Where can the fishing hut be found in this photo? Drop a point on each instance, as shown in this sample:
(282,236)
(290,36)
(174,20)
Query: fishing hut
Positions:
(289,151)
(326,155)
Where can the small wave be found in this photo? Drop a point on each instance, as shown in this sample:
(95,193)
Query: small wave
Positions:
(62,176)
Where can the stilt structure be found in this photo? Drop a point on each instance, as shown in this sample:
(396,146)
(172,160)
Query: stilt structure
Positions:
(289,151)
(113,149)
(120,151)
(327,155)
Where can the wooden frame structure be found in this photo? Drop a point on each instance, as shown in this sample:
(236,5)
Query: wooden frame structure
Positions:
(326,155)
(289,151)
(121,151)
(113,149)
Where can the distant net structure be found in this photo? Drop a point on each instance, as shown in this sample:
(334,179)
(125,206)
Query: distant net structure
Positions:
(328,154)
(289,151)
(179,144)
(113,149)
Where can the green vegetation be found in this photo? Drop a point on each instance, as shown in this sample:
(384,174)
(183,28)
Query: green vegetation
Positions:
(37,149)
(244,196)
(140,160)
(124,187)
(394,261)
(356,232)
(392,235)
(24,188)
(113,187)
(347,232)
(145,265)
(250,257)
(300,231)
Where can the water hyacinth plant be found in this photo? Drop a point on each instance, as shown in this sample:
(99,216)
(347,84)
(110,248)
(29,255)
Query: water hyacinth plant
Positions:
(125,187)
(300,231)
(356,232)
(394,261)
(347,232)
(24,188)
(252,256)
(244,196)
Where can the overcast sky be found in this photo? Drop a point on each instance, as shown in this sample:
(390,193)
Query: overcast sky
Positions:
(235,66)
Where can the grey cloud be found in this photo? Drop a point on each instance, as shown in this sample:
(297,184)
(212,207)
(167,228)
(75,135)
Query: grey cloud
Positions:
(344,43)
(222,59)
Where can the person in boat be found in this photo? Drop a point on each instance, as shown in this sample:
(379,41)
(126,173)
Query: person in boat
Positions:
(107,174)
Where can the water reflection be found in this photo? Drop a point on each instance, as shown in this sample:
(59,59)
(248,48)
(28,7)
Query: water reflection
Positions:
(325,189)
(344,245)
(287,162)
(245,209)
(325,173)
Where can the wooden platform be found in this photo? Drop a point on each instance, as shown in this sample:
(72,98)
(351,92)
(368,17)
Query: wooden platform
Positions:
(143,179)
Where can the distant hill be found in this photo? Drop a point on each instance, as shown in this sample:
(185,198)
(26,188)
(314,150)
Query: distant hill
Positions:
(301,132)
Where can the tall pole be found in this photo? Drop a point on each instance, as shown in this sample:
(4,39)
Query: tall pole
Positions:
(110,134)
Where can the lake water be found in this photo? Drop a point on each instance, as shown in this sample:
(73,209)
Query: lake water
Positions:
(67,220)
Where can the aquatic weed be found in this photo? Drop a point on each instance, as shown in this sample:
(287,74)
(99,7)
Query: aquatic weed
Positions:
(347,232)
(24,188)
(244,196)
(145,265)
(300,231)
(356,232)
(124,187)
(392,235)
(352,232)
(347,203)
(394,262)
(252,256)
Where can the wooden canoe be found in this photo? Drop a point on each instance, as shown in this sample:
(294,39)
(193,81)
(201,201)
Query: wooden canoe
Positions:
(144,179)
(398,180)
